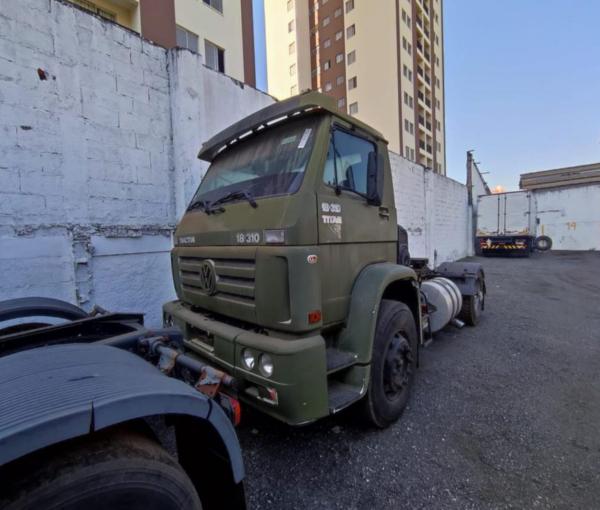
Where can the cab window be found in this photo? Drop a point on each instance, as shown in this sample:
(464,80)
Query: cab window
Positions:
(349,154)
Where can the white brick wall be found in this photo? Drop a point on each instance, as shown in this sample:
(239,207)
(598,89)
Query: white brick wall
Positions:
(434,211)
(98,161)
(103,151)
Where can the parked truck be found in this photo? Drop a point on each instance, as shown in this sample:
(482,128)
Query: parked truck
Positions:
(290,275)
(296,295)
(507,224)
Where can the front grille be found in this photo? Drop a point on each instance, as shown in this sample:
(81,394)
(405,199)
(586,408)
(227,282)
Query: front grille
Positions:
(235,278)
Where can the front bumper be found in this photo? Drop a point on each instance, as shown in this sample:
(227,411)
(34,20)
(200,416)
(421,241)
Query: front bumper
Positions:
(296,393)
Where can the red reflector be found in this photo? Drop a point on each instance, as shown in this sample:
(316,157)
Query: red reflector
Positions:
(235,409)
(314,316)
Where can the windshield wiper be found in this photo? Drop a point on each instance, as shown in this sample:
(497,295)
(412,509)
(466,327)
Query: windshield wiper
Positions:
(199,204)
(234,195)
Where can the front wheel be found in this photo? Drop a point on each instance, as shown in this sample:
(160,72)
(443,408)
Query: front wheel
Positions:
(393,364)
(122,470)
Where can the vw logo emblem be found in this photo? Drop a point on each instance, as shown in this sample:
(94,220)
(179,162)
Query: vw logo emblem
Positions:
(208,277)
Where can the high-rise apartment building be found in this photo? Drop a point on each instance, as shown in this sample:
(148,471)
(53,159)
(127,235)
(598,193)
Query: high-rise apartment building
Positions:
(220,30)
(381,60)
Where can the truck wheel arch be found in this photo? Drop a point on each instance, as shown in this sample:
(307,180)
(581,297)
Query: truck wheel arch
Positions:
(376,282)
(96,387)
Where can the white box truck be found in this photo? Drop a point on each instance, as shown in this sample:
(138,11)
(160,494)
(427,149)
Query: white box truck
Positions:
(506,223)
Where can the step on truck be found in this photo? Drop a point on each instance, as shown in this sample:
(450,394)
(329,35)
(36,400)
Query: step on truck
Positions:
(290,268)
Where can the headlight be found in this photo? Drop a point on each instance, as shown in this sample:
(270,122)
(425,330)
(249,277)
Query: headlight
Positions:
(248,359)
(265,363)
(274,236)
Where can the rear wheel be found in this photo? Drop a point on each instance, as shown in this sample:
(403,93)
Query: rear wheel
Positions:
(472,306)
(393,364)
(122,470)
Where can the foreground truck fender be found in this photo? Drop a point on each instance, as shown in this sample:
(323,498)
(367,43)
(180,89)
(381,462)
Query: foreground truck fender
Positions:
(79,425)
(377,282)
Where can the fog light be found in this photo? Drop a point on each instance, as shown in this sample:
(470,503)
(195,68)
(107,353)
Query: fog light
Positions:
(265,364)
(248,359)
(274,236)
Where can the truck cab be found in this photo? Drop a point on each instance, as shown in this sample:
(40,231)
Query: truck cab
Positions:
(284,259)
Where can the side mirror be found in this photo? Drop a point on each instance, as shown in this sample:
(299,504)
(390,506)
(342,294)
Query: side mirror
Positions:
(374,178)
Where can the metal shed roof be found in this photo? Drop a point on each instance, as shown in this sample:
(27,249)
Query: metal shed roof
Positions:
(568,176)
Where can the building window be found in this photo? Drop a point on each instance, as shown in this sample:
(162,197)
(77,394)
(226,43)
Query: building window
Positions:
(291,26)
(214,56)
(326,43)
(339,58)
(215,4)
(337,13)
(290,5)
(352,83)
(438,125)
(89,6)
(437,103)
(353,108)
(186,39)
(409,127)
(408,100)
(352,57)
(349,6)
(407,151)
(294,90)
(339,35)
(327,65)
(326,21)
(292,48)
(407,73)
(292,69)
(339,80)
(350,31)
(328,86)
(341,102)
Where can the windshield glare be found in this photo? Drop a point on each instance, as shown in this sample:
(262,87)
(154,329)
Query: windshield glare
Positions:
(267,164)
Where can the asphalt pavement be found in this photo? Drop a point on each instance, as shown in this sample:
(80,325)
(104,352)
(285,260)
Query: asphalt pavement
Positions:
(504,415)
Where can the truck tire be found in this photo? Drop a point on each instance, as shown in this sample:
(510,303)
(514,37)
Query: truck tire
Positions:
(472,306)
(542,243)
(119,470)
(393,364)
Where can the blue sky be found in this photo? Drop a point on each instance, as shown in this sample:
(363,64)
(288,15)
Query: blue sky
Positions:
(522,84)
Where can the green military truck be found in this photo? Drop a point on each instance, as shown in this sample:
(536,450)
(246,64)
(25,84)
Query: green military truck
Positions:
(289,273)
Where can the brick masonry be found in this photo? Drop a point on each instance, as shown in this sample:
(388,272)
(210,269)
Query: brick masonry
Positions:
(98,159)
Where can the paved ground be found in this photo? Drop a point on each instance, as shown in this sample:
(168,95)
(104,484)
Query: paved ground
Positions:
(505,415)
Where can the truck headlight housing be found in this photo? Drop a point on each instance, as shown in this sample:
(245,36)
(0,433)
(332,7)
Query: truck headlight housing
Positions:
(265,364)
(248,359)
(274,236)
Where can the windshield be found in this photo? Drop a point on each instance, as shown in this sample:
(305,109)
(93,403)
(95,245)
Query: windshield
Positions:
(270,163)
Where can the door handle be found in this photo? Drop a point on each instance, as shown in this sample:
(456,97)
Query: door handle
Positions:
(384,212)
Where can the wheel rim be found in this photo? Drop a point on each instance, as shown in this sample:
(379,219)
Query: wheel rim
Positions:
(542,244)
(398,367)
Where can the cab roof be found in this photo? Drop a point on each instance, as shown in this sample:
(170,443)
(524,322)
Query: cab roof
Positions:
(278,112)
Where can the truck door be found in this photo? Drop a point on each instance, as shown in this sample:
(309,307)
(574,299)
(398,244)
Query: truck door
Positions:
(515,215)
(352,232)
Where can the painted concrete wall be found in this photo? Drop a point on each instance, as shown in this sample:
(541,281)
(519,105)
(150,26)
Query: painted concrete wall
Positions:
(98,161)
(434,211)
(570,216)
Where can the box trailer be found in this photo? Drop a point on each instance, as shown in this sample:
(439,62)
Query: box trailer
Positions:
(506,223)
